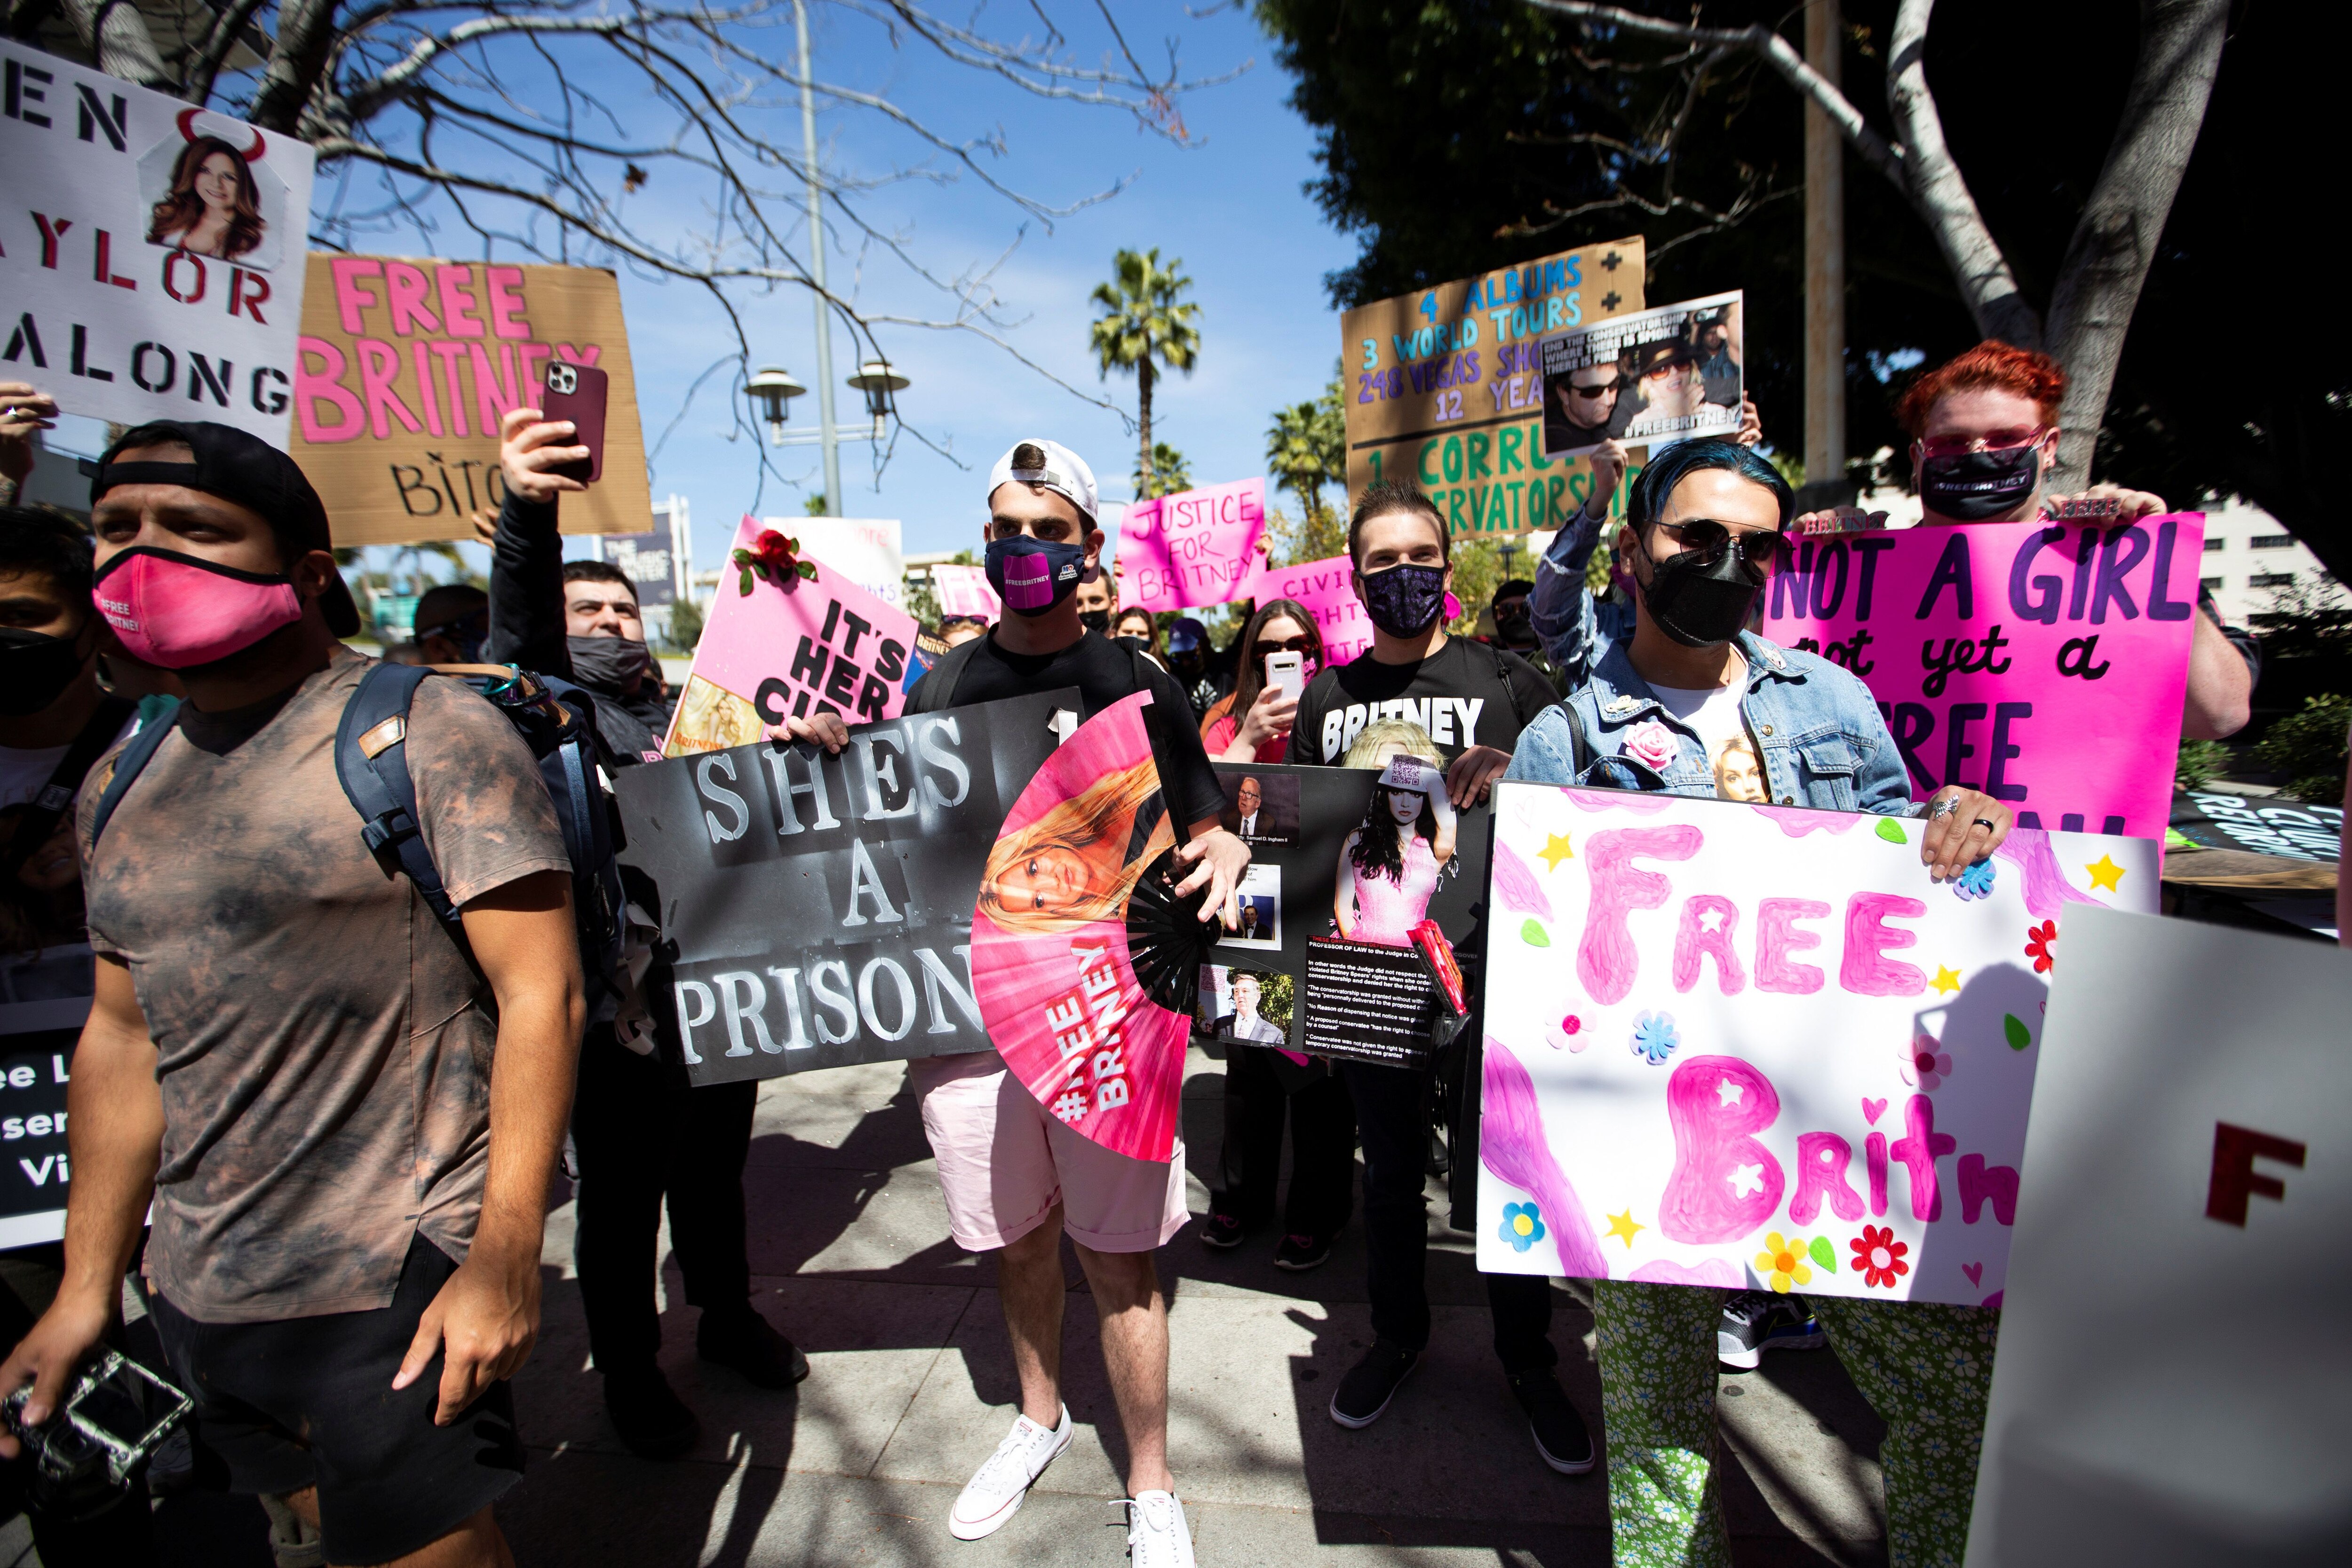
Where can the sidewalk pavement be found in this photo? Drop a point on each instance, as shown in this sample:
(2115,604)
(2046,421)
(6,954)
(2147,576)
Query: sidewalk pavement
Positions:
(912,1385)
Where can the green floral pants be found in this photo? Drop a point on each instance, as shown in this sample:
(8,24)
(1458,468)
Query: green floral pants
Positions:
(1926,1368)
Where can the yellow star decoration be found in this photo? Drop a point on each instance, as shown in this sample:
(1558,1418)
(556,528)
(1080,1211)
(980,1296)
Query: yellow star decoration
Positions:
(1622,1226)
(1555,849)
(1947,979)
(2105,873)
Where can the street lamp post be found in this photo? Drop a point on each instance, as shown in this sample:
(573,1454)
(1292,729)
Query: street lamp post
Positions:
(827,437)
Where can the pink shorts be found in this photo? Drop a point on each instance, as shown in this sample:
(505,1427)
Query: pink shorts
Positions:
(1005,1163)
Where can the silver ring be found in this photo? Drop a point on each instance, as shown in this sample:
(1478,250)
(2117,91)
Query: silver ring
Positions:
(1943,807)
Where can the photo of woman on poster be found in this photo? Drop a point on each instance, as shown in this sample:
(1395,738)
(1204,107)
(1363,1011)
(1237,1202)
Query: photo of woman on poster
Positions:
(213,206)
(1390,866)
(1078,861)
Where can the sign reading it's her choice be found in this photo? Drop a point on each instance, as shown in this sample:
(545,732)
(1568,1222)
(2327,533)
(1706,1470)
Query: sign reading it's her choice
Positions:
(2041,662)
(1193,549)
(1733,1044)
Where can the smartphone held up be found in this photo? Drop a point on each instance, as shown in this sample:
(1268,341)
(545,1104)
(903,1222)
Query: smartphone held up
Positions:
(576,393)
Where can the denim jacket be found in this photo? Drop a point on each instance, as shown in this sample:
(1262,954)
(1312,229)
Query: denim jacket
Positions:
(1568,619)
(1820,740)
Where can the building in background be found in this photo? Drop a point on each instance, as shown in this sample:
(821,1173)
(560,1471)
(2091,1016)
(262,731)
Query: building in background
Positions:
(659,562)
(2250,559)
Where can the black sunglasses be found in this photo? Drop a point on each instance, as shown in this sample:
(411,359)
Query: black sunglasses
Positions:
(1707,538)
(1597,387)
(1262,649)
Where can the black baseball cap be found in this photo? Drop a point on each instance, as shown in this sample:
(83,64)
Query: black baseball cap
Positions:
(238,466)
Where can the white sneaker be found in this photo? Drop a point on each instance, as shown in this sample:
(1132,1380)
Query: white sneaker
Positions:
(1156,1533)
(994,1493)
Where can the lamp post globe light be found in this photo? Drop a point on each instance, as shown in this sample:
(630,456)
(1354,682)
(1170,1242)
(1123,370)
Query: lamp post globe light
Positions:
(879,382)
(773,388)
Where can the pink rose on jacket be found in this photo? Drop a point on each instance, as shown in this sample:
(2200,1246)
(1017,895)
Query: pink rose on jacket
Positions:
(1653,744)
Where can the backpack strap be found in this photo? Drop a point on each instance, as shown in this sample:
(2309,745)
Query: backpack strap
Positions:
(57,796)
(133,759)
(372,763)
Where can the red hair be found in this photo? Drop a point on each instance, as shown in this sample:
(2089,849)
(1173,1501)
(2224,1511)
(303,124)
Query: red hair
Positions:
(1991,363)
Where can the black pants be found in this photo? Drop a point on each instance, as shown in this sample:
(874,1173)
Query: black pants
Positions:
(1322,1147)
(641,1132)
(1393,1116)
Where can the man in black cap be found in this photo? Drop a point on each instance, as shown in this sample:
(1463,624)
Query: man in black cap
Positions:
(346,1127)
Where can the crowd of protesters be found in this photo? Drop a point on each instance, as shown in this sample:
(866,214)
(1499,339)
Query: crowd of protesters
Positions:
(314,1124)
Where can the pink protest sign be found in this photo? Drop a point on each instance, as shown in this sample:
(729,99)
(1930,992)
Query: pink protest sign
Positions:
(1326,587)
(964,591)
(825,644)
(1195,548)
(2041,662)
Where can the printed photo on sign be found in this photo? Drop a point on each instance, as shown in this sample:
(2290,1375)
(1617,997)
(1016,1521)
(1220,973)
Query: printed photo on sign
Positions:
(1391,866)
(1756,1046)
(1259,901)
(1644,379)
(1261,808)
(211,191)
(1244,1006)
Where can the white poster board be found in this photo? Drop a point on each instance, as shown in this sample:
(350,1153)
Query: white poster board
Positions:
(1733,1044)
(866,550)
(152,255)
(2171,1383)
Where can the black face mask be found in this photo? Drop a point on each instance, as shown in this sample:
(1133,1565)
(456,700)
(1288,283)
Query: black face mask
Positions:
(1516,627)
(1974,486)
(1095,620)
(1403,600)
(34,670)
(1698,603)
(610,664)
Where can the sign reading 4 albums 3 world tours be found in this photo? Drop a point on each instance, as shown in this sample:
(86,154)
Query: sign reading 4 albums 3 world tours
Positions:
(1443,387)
(816,910)
(151,253)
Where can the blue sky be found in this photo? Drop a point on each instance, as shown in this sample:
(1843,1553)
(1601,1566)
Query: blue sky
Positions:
(1231,207)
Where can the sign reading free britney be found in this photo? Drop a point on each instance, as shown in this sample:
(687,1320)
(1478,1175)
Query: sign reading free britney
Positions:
(1731,1044)
(2041,662)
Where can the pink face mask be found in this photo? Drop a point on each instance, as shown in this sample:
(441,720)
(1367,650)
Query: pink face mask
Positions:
(176,611)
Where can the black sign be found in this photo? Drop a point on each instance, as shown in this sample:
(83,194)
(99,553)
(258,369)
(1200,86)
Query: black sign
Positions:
(815,910)
(2265,824)
(44,1002)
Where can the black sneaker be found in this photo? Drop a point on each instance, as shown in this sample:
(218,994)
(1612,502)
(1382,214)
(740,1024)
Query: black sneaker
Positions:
(1757,1320)
(1364,1393)
(1222,1230)
(1300,1254)
(1559,1432)
(652,1421)
(751,1345)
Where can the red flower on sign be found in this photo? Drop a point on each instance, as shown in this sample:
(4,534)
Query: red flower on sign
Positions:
(1879,1256)
(773,558)
(2038,942)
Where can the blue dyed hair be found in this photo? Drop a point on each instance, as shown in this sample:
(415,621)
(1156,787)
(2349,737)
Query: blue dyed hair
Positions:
(1684,458)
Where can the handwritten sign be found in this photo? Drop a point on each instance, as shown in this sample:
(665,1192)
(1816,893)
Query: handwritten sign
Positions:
(964,591)
(1326,587)
(407,366)
(1193,549)
(824,645)
(1732,1044)
(1444,386)
(130,296)
(2043,664)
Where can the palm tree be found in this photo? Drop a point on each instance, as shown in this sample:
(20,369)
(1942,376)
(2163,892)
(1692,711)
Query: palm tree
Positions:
(1169,473)
(1144,320)
(1306,449)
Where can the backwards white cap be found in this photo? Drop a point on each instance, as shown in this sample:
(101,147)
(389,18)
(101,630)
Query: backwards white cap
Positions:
(1052,465)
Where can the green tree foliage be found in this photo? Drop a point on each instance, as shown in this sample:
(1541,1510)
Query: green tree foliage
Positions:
(1307,451)
(685,626)
(1145,320)
(1169,473)
(2308,747)
(1474,134)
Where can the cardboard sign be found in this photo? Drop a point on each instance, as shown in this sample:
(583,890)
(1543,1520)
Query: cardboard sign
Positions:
(408,364)
(1647,379)
(1755,1045)
(151,253)
(1363,992)
(44,1002)
(1326,587)
(1193,549)
(2043,664)
(1444,386)
(866,550)
(823,645)
(964,591)
(2192,1127)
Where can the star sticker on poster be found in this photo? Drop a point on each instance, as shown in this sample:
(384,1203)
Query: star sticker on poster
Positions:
(1555,849)
(1623,1226)
(1947,979)
(2105,873)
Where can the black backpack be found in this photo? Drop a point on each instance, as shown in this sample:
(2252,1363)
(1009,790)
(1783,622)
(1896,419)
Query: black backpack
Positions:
(554,718)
